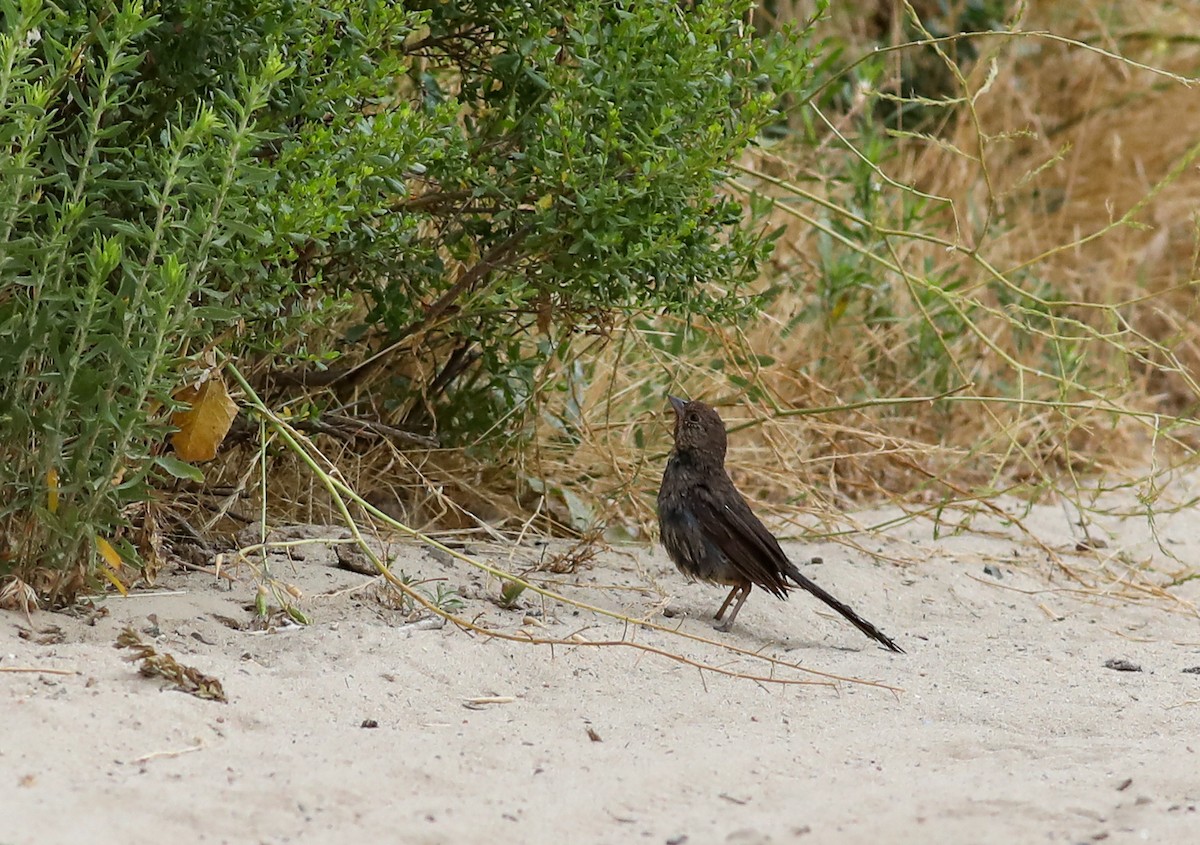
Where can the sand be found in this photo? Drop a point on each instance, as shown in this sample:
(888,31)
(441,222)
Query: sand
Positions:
(1005,725)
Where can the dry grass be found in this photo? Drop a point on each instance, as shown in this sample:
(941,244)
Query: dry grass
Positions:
(1050,284)
(1010,312)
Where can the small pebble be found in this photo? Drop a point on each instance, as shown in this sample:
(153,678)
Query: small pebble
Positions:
(1122,665)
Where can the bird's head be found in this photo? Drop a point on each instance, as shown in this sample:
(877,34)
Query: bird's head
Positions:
(698,429)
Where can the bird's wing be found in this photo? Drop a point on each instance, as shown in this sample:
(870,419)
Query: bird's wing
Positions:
(728,523)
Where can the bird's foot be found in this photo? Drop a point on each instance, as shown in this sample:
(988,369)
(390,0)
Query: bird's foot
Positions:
(723,627)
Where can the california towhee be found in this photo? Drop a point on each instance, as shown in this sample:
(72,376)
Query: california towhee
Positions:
(710,532)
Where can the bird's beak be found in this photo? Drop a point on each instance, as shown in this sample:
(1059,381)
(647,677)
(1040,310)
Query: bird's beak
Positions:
(678,404)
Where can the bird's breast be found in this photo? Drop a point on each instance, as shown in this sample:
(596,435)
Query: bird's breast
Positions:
(689,546)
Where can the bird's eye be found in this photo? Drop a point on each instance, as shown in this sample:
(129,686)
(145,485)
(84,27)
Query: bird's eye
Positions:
(693,417)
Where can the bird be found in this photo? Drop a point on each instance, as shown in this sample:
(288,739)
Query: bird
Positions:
(712,535)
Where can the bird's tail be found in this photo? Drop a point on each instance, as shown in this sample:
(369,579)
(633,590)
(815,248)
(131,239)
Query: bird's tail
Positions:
(854,619)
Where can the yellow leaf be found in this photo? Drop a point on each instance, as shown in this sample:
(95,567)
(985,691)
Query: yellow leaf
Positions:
(52,490)
(839,308)
(112,559)
(115,581)
(204,425)
(111,556)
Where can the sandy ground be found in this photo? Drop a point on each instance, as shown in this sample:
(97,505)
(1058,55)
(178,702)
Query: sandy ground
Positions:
(1008,727)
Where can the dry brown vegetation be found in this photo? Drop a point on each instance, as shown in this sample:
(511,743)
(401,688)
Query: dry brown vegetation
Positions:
(1050,283)
(1014,310)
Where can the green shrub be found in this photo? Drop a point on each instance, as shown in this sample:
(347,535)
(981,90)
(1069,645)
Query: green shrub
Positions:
(538,167)
(107,236)
(179,177)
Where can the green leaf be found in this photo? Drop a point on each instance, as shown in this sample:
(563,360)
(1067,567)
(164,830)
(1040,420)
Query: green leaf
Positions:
(179,469)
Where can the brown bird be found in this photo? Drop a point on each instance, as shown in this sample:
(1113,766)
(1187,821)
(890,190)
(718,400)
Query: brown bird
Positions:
(710,532)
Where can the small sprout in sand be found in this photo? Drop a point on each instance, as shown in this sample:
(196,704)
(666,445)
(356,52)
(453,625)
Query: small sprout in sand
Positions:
(394,598)
(510,591)
(260,603)
(447,599)
(444,599)
(296,614)
(285,613)
(153,663)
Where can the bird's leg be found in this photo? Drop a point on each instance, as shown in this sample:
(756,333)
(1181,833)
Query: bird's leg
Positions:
(721,610)
(745,592)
